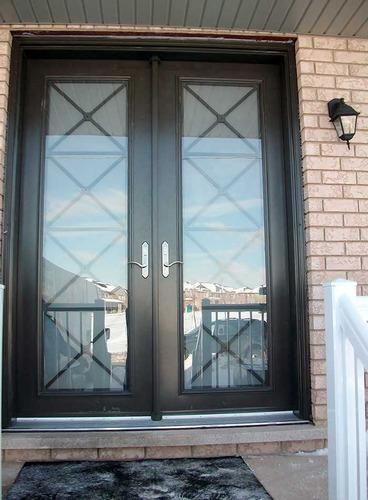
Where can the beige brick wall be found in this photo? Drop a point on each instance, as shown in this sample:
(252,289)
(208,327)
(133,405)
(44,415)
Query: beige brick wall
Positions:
(335,178)
(5,47)
(335,181)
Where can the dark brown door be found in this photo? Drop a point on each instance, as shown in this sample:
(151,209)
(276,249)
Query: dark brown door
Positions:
(225,336)
(84,312)
(153,247)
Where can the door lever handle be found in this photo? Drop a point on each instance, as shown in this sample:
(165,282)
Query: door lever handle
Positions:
(165,259)
(175,262)
(144,265)
(137,264)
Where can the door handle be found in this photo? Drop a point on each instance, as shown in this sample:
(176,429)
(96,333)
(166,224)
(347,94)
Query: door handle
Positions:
(165,259)
(145,261)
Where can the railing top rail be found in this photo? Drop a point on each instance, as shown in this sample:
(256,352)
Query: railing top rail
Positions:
(93,306)
(234,307)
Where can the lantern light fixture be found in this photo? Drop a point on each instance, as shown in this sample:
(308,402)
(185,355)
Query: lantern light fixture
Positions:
(344,118)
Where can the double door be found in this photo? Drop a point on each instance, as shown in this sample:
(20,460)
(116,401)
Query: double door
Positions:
(153,251)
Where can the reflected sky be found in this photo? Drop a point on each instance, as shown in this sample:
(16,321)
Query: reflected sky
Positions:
(85,219)
(86,183)
(223,212)
(228,225)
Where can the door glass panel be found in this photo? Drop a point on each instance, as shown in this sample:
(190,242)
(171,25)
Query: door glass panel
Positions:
(224,273)
(84,256)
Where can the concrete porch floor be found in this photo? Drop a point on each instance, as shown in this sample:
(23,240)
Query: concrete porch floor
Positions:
(285,477)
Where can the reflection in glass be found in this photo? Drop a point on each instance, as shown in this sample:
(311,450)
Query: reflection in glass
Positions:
(84,274)
(224,274)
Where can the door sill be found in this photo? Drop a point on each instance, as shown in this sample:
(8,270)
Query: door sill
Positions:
(145,422)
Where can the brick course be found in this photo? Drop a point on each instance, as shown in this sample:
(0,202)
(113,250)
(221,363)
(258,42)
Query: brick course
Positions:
(5,47)
(162,452)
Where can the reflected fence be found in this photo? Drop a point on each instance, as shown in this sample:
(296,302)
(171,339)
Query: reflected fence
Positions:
(229,348)
(76,348)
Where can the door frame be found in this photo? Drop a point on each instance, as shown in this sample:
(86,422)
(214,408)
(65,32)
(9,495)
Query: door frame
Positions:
(246,49)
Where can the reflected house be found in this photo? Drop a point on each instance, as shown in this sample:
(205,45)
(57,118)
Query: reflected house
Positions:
(194,293)
(85,341)
(115,297)
(62,286)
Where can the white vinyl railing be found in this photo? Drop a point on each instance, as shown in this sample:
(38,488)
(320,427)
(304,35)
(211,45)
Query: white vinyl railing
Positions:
(346,318)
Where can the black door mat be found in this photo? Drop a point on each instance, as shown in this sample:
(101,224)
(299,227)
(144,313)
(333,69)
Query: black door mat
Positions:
(210,478)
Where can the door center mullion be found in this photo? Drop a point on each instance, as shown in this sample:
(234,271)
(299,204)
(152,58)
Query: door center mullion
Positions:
(156,408)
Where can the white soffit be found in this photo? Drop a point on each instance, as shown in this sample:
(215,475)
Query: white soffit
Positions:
(323,17)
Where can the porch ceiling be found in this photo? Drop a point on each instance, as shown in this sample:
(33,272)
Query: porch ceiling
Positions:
(330,17)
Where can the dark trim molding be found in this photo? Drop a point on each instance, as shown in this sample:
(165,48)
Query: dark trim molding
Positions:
(10,225)
(298,287)
(162,33)
(168,46)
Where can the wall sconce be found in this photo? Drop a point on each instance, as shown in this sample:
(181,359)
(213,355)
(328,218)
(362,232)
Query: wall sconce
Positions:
(344,118)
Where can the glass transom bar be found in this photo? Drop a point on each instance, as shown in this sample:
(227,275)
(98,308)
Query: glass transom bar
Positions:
(224,273)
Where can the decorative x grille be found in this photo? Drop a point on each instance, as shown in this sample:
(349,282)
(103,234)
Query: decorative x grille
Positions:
(81,349)
(251,157)
(226,348)
(60,151)
(85,190)
(229,143)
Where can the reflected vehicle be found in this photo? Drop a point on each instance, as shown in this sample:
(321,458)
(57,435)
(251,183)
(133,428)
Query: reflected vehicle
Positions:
(233,352)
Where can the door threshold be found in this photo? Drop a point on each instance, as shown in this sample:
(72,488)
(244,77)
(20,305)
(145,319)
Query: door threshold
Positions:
(146,423)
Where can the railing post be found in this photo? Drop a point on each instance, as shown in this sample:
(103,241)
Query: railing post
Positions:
(340,468)
(207,344)
(361,432)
